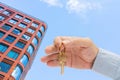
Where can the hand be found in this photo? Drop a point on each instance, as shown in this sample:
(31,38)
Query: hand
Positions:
(80,52)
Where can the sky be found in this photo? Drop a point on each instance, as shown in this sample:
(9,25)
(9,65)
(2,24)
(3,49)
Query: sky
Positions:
(96,19)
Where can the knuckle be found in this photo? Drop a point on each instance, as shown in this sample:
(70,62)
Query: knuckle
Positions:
(88,40)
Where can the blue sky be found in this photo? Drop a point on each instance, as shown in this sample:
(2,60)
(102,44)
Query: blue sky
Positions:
(97,19)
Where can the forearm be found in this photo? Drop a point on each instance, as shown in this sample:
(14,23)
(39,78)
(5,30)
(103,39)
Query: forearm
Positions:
(107,63)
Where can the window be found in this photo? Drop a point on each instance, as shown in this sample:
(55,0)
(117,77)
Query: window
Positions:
(22,25)
(39,34)
(26,37)
(3,47)
(30,49)
(4,67)
(10,39)
(1,77)
(24,60)
(20,44)
(18,16)
(6,27)
(1,34)
(1,8)
(42,28)
(27,20)
(17,72)
(7,13)
(34,24)
(35,41)
(2,18)
(13,21)
(12,54)
(30,30)
(16,31)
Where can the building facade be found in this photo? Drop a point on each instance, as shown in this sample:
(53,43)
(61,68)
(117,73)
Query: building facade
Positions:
(20,38)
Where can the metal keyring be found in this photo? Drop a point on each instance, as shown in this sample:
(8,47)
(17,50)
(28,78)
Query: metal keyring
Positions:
(62,57)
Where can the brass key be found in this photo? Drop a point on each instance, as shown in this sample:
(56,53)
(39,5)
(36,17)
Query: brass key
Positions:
(62,60)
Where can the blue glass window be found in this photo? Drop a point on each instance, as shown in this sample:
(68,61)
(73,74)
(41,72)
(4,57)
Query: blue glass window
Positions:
(30,49)
(1,76)
(30,30)
(26,37)
(4,67)
(39,34)
(18,16)
(1,8)
(16,31)
(24,60)
(13,21)
(22,25)
(3,47)
(6,27)
(12,54)
(35,41)
(2,18)
(17,72)
(27,20)
(10,39)
(35,25)
(20,44)
(42,28)
(1,34)
(7,13)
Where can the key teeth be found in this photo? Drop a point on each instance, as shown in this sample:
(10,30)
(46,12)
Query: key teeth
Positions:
(62,59)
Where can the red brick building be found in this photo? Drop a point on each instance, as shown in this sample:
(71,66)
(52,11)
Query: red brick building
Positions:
(20,38)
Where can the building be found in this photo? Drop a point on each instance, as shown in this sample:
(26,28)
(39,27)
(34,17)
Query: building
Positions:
(20,38)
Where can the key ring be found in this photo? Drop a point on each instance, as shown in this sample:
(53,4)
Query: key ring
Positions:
(62,57)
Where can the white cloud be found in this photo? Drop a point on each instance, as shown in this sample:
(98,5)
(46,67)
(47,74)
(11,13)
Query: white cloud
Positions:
(53,3)
(80,6)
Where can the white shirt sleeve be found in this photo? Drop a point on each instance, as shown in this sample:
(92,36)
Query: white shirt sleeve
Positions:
(107,63)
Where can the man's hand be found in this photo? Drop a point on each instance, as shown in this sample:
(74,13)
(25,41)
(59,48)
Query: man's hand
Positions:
(80,52)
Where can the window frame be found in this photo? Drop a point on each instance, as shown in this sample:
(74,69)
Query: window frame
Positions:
(35,41)
(13,53)
(27,20)
(24,60)
(34,24)
(18,43)
(39,34)
(30,30)
(18,16)
(6,67)
(22,25)
(1,8)
(30,49)
(13,21)
(10,39)
(6,12)
(17,72)
(6,27)
(26,37)
(16,31)
(4,47)
(2,18)
(2,34)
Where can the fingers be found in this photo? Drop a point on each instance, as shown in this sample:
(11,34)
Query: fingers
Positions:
(53,63)
(52,60)
(57,42)
(51,49)
(49,58)
(55,47)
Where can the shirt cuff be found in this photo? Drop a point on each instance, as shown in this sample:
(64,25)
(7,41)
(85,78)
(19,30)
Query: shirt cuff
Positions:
(107,63)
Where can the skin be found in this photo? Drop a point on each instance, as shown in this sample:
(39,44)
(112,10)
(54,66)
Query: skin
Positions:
(80,52)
